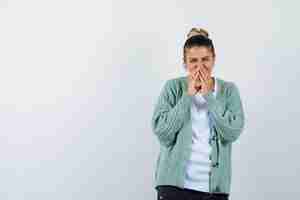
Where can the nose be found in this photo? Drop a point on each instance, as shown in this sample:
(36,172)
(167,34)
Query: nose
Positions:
(197,67)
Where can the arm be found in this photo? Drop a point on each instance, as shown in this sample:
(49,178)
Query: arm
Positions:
(229,119)
(167,118)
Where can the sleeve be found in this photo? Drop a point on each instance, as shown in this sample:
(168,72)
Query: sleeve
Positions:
(167,119)
(229,118)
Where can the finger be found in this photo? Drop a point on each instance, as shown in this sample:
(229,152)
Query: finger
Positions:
(206,73)
(192,75)
(201,76)
(196,74)
(205,83)
(192,80)
(199,79)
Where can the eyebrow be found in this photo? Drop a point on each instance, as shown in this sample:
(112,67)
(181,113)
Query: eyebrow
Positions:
(197,58)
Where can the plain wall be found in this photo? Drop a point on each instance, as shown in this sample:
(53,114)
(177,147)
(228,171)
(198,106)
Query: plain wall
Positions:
(79,80)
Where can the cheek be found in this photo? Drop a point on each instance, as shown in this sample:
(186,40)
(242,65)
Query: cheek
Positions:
(209,67)
(190,68)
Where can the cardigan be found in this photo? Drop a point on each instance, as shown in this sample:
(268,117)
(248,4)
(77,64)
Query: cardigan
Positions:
(198,165)
(171,124)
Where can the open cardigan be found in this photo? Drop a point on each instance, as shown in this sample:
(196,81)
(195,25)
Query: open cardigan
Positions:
(171,123)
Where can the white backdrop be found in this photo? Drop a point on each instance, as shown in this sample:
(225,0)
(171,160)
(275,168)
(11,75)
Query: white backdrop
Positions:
(79,80)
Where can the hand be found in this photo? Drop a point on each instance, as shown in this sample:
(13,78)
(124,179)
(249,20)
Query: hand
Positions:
(194,83)
(206,81)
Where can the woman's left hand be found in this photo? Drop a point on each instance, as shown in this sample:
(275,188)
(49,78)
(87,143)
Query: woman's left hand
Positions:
(204,78)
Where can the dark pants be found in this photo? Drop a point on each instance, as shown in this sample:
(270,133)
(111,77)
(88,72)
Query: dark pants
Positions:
(169,192)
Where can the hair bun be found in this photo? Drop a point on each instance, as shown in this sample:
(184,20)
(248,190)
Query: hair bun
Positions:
(197,31)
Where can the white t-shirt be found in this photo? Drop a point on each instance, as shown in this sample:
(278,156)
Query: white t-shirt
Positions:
(198,166)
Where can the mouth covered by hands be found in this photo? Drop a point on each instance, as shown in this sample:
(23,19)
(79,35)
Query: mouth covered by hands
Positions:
(202,80)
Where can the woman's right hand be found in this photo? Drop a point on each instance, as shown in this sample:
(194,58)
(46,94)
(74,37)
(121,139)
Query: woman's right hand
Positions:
(194,83)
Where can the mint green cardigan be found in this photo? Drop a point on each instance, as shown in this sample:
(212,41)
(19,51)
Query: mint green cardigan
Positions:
(171,123)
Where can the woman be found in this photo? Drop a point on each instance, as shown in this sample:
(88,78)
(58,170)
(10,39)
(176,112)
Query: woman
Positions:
(196,119)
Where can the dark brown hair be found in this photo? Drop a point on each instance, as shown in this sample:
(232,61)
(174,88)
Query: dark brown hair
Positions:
(198,37)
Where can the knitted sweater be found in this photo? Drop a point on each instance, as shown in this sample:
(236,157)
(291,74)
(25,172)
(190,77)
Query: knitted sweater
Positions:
(171,123)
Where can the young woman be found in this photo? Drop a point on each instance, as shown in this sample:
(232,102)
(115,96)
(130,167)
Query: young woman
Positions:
(196,119)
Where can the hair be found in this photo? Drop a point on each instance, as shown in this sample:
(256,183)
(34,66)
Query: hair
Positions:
(197,37)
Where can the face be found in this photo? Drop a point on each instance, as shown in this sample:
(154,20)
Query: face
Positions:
(199,57)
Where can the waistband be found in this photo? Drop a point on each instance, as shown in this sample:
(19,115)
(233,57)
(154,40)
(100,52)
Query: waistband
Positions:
(194,192)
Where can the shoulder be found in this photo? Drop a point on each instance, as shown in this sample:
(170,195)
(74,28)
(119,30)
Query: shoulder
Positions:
(173,87)
(173,83)
(223,82)
(231,88)
(176,85)
(176,81)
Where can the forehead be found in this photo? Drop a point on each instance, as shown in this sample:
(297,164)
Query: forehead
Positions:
(198,52)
